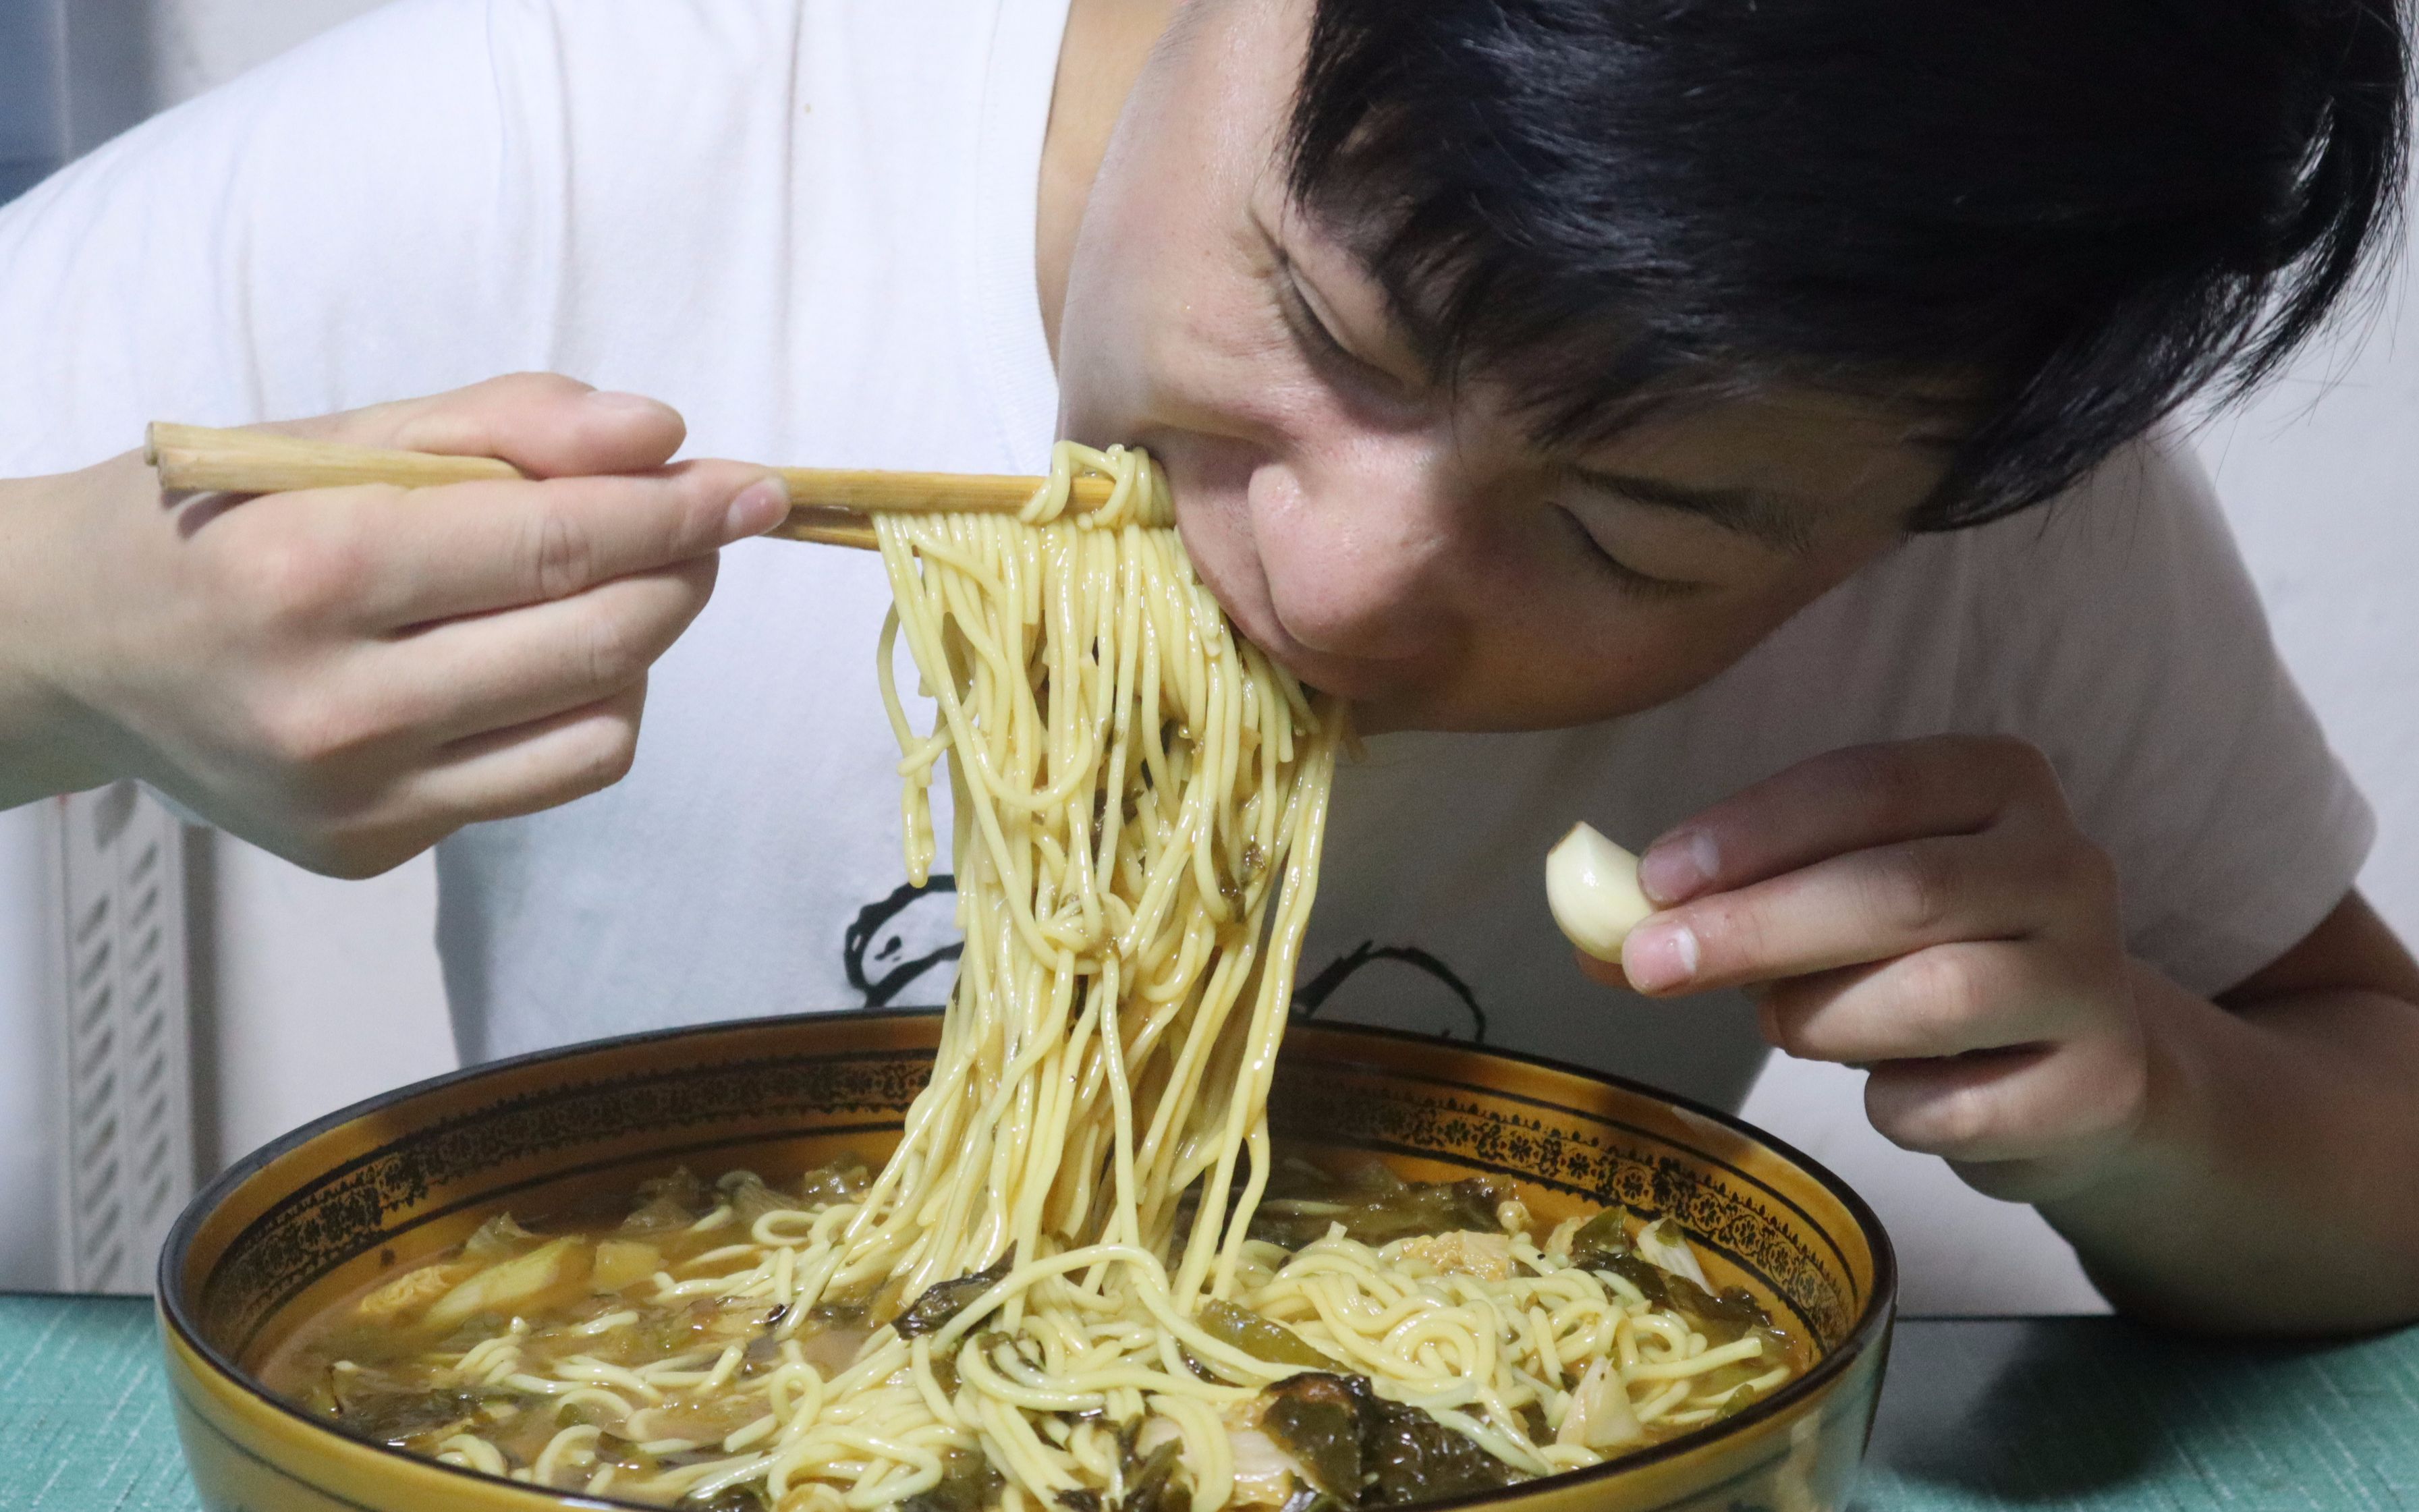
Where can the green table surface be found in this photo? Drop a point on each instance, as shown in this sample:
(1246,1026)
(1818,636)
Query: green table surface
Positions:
(2081,1413)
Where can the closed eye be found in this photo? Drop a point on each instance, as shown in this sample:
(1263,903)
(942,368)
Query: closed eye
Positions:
(1626,577)
(1327,350)
(1305,321)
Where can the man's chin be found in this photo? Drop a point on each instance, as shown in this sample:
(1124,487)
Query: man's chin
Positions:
(1397,713)
(1379,688)
(1383,699)
(1407,710)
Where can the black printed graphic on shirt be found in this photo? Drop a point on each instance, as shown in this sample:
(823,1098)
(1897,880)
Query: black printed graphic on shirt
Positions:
(899,940)
(1388,997)
(894,942)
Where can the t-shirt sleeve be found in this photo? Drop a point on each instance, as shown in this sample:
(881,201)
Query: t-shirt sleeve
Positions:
(360,220)
(2144,669)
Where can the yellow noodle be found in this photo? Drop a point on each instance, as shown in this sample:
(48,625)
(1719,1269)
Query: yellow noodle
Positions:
(1139,801)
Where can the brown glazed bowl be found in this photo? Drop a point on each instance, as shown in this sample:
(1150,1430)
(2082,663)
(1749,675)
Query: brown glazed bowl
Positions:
(324,1211)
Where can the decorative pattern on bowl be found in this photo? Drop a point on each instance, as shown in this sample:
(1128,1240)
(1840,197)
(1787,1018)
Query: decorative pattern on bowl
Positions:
(326,1210)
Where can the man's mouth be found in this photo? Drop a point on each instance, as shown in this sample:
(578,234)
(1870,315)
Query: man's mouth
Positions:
(1235,579)
(1348,678)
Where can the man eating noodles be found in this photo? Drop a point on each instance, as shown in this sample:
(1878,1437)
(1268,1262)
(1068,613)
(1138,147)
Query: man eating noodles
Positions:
(1736,424)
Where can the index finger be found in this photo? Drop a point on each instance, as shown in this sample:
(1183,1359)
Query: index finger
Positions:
(1860,798)
(441,553)
(1849,910)
(546,424)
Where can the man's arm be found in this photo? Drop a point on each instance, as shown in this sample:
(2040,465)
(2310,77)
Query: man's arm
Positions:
(2275,1180)
(346,676)
(1930,909)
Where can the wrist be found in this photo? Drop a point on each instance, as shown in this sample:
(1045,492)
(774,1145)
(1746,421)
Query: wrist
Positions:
(2172,1132)
(50,740)
(2166,1153)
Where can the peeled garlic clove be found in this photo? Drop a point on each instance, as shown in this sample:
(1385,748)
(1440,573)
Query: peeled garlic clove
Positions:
(1592,885)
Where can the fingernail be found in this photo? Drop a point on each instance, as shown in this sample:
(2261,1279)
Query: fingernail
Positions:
(1678,866)
(760,506)
(1659,957)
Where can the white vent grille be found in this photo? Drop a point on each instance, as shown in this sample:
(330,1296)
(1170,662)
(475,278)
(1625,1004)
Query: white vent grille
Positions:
(128,1080)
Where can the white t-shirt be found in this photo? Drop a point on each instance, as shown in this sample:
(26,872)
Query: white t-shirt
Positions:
(809,223)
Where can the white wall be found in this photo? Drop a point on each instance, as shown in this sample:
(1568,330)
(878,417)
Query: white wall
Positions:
(329,991)
(2321,480)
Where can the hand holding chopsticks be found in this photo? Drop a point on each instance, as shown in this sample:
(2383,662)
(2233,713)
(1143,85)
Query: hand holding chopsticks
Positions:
(828,506)
(346,674)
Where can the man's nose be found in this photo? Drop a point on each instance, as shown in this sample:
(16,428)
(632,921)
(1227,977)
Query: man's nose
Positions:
(1359,558)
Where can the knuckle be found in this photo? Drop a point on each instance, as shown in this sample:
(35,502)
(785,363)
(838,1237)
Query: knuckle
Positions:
(2024,768)
(298,732)
(607,759)
(1959,1123)
(699,574)
(2112,1100)
(1772,1022)
(1887,779)
(618,759)
(1949,996)
(2022,758)
(310,739)
(535,385)
(562,556)
(296,579)
(1795,1029)
(614,654)
(318,737)
(1945,1121)
(1915,889)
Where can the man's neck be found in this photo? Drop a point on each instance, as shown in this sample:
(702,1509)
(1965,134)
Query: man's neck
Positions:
(1106,43)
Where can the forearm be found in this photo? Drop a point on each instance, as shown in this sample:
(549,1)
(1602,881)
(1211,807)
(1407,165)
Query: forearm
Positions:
(43,746)
(2272,1185)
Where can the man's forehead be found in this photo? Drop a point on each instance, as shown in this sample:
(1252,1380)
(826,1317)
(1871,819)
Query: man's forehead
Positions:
(1774,464)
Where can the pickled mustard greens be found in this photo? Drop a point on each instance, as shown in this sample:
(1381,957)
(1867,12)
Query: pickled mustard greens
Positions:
(635,1356)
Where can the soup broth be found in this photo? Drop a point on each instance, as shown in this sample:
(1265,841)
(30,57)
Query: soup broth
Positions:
(646,1354)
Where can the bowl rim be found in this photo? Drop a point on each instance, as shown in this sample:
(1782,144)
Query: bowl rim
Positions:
(1871,1323)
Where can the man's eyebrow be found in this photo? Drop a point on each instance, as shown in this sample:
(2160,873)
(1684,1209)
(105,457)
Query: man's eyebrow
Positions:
(1752,512)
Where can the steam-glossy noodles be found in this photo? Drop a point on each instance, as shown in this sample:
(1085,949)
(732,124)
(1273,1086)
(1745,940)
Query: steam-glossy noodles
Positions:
(1139,802)
(1085,1280)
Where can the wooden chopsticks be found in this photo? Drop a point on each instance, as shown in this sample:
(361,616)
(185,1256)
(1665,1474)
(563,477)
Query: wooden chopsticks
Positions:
(828,506)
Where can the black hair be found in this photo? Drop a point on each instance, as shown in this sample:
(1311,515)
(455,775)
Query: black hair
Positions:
(2075,214)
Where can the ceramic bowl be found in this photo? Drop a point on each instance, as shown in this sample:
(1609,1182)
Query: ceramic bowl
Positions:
(324,1211)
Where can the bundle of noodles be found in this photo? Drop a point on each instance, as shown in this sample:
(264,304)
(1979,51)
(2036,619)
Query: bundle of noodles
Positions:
(1138,797)
(1138,802)
(1048,1298)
